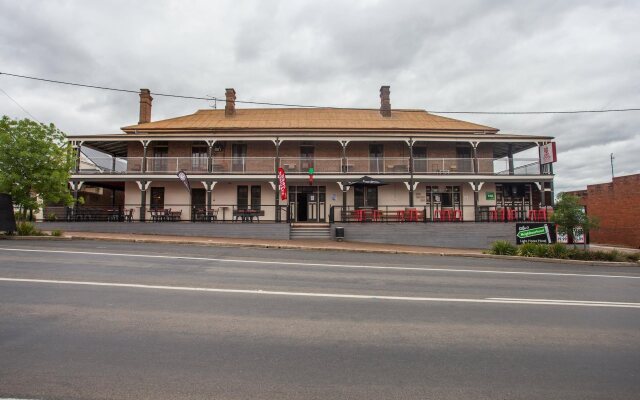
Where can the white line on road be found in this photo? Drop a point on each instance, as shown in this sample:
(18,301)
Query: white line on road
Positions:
(225,260)
(333,295)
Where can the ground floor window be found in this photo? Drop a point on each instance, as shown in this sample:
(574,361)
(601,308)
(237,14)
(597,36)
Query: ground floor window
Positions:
(157,198)
(444,196)
(514,195)
(243,197)
(365,196)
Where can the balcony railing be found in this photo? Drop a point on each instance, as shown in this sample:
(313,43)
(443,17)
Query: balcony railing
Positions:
(297,165)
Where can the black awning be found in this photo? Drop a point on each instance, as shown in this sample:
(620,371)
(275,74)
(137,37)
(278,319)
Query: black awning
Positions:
(366,180)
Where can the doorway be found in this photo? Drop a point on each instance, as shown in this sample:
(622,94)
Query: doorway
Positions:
(198,204)
(307,203)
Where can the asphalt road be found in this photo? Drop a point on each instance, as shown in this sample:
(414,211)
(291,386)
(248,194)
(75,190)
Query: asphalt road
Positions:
(104,320)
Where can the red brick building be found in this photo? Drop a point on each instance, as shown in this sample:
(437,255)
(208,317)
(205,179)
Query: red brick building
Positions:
(617,206)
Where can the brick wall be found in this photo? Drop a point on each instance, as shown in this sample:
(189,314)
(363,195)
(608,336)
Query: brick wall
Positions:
(617,206)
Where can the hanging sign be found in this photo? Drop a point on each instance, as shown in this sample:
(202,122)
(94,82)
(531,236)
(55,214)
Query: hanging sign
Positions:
(282,184)
(311,171)
(185,180)
(535,233)
(548,153)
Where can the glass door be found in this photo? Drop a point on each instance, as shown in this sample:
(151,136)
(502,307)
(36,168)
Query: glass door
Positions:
(238,154)
(376,161)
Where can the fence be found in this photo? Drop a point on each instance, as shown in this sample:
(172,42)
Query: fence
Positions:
(437,213)
(169,213)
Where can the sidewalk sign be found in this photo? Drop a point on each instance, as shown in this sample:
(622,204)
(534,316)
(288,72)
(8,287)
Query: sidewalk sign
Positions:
(535,232)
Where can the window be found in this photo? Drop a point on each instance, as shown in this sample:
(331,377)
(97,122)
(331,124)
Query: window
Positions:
(307,154)
(243,197)
(365,196)
(256,197)
(157,198)
(199,158)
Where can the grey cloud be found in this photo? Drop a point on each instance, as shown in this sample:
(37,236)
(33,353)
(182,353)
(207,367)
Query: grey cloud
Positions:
(438,55)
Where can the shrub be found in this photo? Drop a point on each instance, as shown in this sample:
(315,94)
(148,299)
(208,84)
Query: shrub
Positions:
(504,248)
(633,257)
(541,250)
(27,229)
(528,250)
(51,217)
(56,232)
(558,250)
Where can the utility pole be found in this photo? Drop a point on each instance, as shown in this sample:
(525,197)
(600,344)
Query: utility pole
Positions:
(612,158)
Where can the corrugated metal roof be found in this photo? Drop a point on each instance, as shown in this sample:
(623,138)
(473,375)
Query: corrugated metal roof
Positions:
(311,119)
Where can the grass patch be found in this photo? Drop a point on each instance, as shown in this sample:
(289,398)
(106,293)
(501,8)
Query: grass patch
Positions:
(24,228)
(560,251)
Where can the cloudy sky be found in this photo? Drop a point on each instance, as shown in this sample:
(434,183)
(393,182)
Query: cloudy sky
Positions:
(436,55)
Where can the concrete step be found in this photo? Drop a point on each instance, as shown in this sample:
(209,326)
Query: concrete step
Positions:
(309,231)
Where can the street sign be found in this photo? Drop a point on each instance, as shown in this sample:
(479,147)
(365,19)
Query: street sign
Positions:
(535,232)
(490,196)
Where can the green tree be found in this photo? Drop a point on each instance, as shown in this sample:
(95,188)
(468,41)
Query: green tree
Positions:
(569,214)
(35,163)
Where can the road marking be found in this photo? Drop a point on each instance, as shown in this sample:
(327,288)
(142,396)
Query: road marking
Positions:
(379,267)
(332,295)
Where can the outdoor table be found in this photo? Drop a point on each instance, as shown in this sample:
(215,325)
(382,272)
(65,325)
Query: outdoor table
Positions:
(360,215)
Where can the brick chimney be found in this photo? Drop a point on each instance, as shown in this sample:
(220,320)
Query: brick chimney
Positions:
(230,106)
(145,106)
(385,102)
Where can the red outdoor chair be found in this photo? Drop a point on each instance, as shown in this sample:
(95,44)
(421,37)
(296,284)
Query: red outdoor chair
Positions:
(542,215)
(376,215)
(533,215)
(457,215)
(512,215)
(493,215)
(446,215)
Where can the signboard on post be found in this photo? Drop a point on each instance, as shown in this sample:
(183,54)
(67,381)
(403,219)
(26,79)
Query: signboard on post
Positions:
(535,232)
(7,218)
(282,184)
(548,153)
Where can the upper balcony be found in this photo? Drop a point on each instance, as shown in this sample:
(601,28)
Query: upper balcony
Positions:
(321,166)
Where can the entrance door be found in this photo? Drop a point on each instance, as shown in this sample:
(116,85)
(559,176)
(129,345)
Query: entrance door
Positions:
(238,154)
(198,203)
(308,203)
(303,204)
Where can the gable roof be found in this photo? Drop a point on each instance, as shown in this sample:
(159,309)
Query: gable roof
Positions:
(310,119)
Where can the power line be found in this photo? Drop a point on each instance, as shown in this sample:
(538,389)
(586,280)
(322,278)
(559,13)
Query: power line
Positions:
(210,98)
(18,104)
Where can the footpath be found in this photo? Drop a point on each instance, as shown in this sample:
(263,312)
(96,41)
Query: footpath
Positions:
(306,244)
(300,244)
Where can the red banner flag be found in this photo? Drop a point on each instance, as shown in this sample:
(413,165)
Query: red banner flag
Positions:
(282,184)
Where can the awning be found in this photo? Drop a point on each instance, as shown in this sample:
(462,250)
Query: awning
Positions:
(366,180)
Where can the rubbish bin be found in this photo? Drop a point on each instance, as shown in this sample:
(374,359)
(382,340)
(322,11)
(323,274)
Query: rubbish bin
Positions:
(339,233)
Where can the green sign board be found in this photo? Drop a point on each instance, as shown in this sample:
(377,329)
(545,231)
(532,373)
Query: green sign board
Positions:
(490,196)
(532,232)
